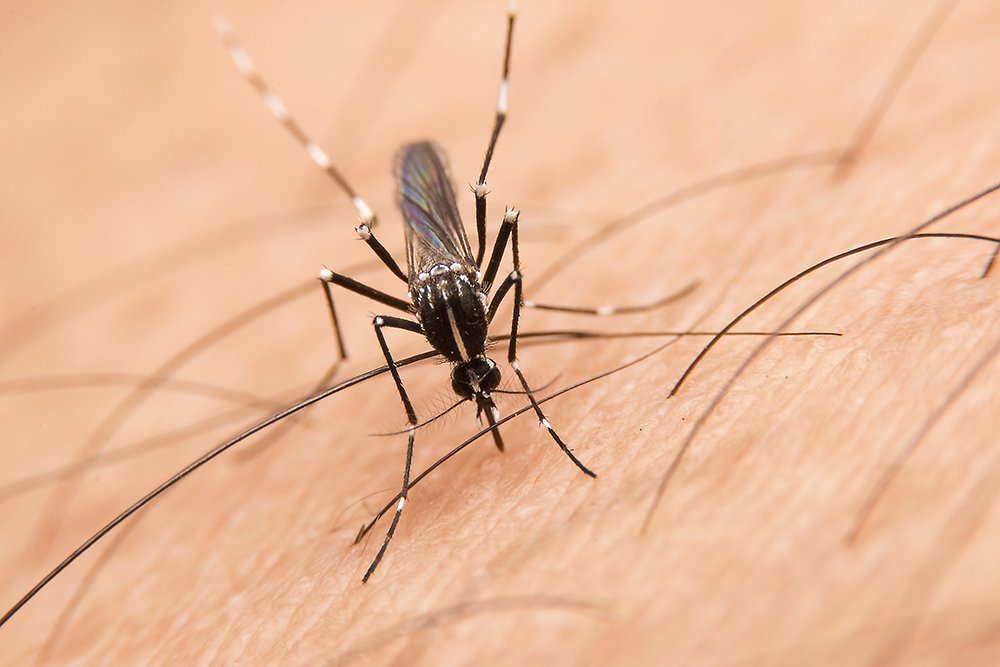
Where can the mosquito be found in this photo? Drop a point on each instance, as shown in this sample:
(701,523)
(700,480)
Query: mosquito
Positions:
(451,300)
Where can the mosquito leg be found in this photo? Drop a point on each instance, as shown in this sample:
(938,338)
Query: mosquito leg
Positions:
(366,217)
(366,234)
(327,281)
(514,279)
(508,227)
(603,311)
(338,334)
(501,116)
(509,220)
(352,285)
(381,322)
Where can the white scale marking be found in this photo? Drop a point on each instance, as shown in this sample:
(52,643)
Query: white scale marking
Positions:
(236,51)
(318,156)
(275,105)
(458,337)
(502,100)
(243,62)
(364,212)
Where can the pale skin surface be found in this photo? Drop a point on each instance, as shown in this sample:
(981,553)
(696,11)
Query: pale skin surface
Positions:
(130,131)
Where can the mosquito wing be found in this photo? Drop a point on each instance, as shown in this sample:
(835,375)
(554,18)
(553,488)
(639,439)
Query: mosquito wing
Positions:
(434,231)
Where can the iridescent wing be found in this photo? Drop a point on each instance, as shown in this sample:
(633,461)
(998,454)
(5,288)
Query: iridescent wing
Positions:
(434,231)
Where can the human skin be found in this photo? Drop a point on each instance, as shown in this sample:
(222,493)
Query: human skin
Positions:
(129,131)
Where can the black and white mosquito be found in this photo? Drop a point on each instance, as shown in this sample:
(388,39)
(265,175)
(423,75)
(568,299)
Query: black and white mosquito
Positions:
(449,287)
(451,298)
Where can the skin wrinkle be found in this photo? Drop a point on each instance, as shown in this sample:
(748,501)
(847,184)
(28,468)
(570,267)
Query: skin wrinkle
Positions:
(461,612)
(609,110)
(113,546)
(957,534)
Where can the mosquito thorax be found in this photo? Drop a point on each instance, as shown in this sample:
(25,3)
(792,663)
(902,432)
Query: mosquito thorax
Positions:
(451,308)
(475,378)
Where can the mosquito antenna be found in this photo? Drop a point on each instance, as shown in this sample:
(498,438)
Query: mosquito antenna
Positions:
(888,246)
(422,424)
(428,422)
(519,392)
(194,465)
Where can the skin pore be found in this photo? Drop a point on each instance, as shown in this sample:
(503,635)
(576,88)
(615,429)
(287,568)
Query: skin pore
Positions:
(151,197)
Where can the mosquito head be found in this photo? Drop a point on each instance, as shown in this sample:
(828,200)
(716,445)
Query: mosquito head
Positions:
(475,378)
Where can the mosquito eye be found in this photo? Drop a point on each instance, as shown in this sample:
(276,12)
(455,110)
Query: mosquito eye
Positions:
(460,383)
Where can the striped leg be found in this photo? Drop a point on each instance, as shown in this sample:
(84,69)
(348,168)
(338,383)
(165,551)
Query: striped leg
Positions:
(514,279)
(366,217)
(604,311)
(381,322)
(498,121)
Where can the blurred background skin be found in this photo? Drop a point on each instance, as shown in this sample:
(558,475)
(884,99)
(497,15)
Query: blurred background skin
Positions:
(148,194)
